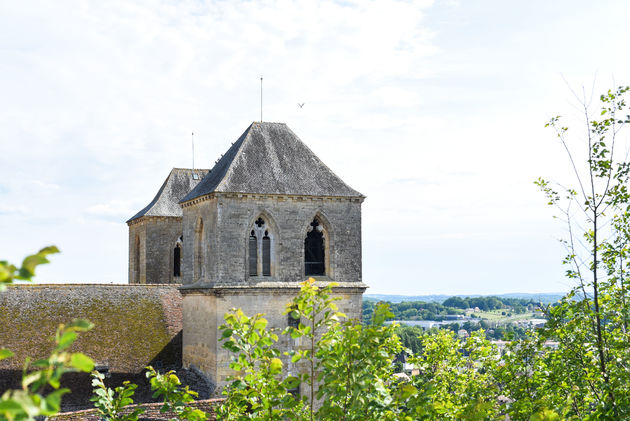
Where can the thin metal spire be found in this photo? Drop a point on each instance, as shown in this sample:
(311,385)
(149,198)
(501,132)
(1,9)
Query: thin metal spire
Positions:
(192,140)
(261,98)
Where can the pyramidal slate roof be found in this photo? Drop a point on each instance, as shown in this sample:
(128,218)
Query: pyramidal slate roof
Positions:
(166,202)
(269,158)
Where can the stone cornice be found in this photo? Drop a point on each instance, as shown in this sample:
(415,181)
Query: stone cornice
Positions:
(265,287)
(279,197)
(148,218)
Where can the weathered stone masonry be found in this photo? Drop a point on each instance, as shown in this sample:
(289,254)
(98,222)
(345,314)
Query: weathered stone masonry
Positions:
(156,231)
(228,218)
(267,216)
(267,184)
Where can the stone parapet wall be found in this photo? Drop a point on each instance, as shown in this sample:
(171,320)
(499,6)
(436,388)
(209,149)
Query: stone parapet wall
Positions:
(204,310)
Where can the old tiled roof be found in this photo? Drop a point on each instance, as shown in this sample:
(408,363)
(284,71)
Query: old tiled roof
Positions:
(166,202)
(270,159)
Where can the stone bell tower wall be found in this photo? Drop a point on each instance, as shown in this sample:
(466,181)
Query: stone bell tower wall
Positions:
(229,217)
(204,310)
(156,237)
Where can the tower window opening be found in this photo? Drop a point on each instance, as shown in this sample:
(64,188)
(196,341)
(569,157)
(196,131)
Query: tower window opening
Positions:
(177,261)
(266,255)
(253,254)
(314,254)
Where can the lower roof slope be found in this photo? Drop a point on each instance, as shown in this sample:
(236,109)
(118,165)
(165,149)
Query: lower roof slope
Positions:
(269,158)
(179,182)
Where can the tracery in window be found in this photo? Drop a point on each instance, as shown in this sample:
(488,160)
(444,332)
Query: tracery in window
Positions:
(261,248)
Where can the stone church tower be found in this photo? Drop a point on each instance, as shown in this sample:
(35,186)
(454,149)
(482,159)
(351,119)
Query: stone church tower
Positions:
(269,215)
(155,233)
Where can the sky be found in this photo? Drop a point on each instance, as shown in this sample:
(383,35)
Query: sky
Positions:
(434,110)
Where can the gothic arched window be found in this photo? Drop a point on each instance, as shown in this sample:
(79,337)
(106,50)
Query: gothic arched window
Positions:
(253,254)
(177,258)
(266,255)
(314,250)
(260,249)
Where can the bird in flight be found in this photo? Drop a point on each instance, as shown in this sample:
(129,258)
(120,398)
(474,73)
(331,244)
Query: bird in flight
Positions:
(301,105)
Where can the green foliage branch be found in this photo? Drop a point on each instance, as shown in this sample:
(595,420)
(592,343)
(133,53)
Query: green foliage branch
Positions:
(34,398)
(110,402)
(175,396)
(590,366)
(258,390)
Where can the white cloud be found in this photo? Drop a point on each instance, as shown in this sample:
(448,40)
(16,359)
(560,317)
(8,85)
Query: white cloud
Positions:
(119,210)
(434,111)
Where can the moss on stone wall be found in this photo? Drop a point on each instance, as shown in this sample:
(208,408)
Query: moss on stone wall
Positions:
(134,324)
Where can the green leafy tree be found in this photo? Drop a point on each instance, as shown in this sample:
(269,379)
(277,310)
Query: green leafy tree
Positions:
(456,378)
(258,390)
(35,397)
(175,396)
(590,366)
(346,367)
(349,369)
(410,337)
(316,309)
(10,273)
(110,402)
(356,371)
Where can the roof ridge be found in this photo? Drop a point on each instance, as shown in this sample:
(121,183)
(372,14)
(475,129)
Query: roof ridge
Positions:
(178,183)
(148,207)
(270,158)
(230,168)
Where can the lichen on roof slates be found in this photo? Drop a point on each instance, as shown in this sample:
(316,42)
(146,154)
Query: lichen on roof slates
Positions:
(166,202)
(268,158)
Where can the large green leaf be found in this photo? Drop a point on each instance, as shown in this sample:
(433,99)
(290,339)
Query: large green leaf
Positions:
(81,362)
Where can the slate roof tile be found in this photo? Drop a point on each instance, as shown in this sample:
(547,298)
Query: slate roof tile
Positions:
(166,202)
(269,158)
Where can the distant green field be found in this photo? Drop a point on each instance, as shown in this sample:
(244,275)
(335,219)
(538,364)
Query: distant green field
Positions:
(545,298)
(497,317)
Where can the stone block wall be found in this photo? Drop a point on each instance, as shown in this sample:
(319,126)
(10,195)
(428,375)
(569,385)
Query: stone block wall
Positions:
(204,310)
(137,252)
(228,219)
(156,236)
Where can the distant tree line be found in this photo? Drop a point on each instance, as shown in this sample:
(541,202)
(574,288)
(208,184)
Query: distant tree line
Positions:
(420,310)
(518,305)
